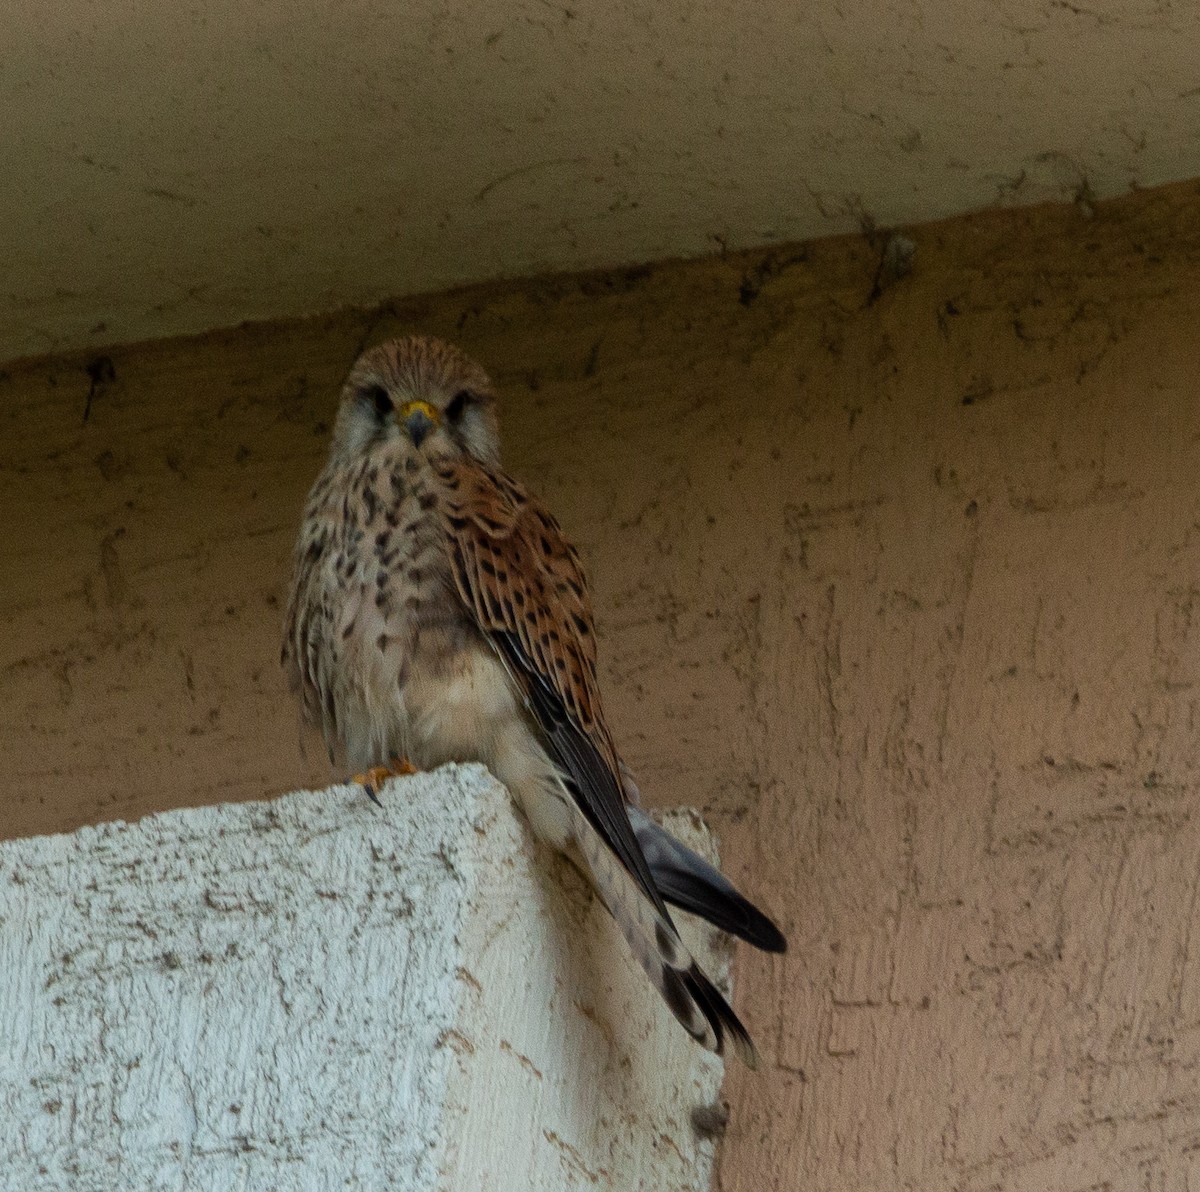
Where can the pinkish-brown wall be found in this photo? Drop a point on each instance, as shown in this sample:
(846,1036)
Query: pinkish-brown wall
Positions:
(904,593)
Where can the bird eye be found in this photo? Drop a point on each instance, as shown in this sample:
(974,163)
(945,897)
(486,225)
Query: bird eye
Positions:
(379,397)
(458,403)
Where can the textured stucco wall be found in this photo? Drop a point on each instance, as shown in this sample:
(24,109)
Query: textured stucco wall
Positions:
(314,993)
(176,167)
(901,590)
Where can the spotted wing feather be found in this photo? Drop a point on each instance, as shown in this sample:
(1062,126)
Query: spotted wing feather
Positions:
(524,583)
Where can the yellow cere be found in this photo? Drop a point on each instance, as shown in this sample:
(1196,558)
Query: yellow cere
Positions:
(411,407)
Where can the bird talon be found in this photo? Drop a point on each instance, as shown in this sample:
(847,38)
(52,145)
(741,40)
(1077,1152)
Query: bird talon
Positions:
(372,781)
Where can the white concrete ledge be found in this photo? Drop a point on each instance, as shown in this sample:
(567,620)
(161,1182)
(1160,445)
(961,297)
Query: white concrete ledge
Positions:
(312,993)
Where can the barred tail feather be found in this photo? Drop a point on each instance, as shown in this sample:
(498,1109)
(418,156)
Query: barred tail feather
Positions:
(690,995)
(688,881)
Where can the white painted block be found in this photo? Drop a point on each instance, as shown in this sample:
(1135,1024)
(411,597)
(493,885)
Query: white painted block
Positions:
(313,993)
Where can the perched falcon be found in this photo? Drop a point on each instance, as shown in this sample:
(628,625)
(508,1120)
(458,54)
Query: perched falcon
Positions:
(439,614)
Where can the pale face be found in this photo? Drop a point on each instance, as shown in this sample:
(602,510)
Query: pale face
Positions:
(421,394)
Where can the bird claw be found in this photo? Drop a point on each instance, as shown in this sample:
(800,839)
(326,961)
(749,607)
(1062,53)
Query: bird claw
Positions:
(373,780)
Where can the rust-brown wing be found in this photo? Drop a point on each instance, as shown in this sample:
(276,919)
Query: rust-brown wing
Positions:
(523,582)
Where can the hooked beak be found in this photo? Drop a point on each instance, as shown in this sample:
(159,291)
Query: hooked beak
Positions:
(418,418)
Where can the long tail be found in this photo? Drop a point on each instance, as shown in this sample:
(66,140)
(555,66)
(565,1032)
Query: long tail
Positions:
(652,937)
(688,881)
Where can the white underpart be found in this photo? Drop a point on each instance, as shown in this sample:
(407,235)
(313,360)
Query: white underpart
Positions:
(471,714)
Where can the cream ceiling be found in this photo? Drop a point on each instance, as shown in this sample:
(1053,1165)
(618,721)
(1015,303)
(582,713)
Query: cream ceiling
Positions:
(172,166)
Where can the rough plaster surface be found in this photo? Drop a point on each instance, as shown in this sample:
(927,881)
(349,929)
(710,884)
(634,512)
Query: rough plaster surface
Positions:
(178,167)
(311,993)
(901,590)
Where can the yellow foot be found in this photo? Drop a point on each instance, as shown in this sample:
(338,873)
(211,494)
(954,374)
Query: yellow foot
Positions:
(373,780)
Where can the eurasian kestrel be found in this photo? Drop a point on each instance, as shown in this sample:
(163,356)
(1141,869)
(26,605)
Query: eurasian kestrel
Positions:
(439,614)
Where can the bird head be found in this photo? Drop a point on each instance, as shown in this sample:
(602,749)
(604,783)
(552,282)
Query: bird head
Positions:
(420,392)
